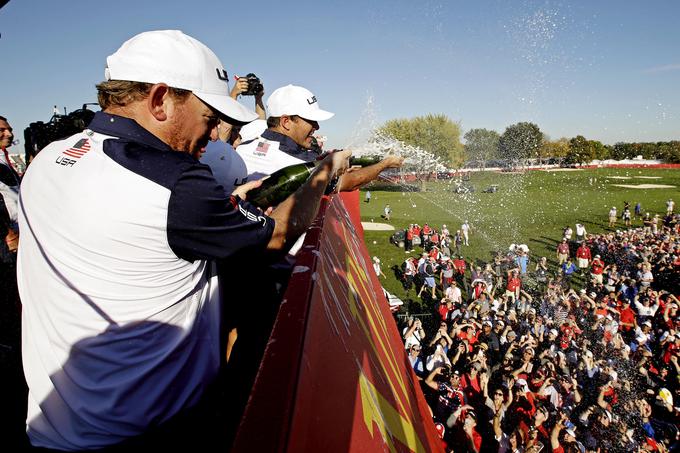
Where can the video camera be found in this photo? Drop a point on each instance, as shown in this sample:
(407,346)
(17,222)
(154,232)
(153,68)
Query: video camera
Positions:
(254,85)
(39,134)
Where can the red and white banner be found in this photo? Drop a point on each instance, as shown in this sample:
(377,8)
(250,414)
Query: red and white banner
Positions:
(335,376)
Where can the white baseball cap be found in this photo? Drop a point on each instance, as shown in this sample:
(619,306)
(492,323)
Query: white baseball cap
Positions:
(253,130)
(170,56)
(294,100)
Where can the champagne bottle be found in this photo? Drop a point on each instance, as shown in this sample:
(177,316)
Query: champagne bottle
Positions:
(283,182)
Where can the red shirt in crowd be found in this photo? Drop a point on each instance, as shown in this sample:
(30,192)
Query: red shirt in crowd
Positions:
(583,252)
(444,310)
(597,266)
(627,315)
(563,248)
(513,284)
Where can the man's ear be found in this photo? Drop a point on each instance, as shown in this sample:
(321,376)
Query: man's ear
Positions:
(285,122)
(157,101)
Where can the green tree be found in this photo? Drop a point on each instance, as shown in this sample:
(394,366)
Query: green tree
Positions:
(622,151)
(580,151)
(599,150)
(557,148)
(436,134)
(520,141)
(481,144)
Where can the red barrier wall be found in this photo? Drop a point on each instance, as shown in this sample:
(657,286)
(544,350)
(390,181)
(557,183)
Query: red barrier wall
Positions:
(335,376)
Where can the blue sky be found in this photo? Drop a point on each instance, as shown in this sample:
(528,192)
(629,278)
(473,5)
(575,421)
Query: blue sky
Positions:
(608,70)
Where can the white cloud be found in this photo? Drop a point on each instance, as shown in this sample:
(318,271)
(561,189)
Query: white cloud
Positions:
(664,68)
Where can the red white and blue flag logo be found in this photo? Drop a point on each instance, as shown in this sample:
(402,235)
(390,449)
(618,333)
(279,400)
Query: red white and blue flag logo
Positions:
(79,149)
(262,148)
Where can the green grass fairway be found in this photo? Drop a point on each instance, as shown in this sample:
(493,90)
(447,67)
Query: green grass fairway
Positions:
(530,208)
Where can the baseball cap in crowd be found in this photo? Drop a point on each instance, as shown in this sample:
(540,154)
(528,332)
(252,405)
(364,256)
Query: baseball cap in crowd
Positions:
(553,332)
(571,432)
(295,100)
(253,130)
(521,383)
(666,396)
(171,57)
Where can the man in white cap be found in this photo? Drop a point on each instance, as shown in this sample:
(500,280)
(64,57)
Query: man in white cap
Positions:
(121,227)
(294,116)
(597,269)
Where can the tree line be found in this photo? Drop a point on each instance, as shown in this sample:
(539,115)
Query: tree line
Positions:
(441,137)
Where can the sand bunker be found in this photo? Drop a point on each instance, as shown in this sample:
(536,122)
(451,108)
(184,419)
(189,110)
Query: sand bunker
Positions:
(644,186)
(564,169)
(649,177)
(372,226)
(618,177)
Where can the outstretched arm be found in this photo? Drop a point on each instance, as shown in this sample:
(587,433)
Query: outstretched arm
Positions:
(354,179)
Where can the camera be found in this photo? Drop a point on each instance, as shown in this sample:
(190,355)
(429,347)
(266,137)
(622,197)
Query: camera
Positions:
(39,134)
(446,373)
(254,85)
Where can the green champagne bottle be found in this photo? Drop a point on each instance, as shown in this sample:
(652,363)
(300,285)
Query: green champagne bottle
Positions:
(364,161)
(282,183)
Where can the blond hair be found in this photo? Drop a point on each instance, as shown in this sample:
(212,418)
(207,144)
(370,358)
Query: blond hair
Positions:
(119,93)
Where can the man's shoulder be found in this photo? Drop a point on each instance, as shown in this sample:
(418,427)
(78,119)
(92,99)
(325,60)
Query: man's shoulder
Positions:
(163,167)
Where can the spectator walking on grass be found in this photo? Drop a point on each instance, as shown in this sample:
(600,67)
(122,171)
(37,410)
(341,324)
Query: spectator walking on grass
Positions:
(376,267)
(387,212)
(465,229)
(612,217)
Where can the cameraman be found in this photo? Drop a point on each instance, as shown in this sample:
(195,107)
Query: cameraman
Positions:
(231,134)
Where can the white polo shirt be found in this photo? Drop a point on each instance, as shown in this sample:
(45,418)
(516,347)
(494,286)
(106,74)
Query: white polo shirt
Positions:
(121,308)
(261,157)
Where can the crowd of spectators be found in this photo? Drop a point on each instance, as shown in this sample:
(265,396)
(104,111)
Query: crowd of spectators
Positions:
(522,358)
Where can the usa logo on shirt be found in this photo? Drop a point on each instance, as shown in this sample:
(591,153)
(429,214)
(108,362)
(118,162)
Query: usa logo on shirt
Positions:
(262,148)
(77,151)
